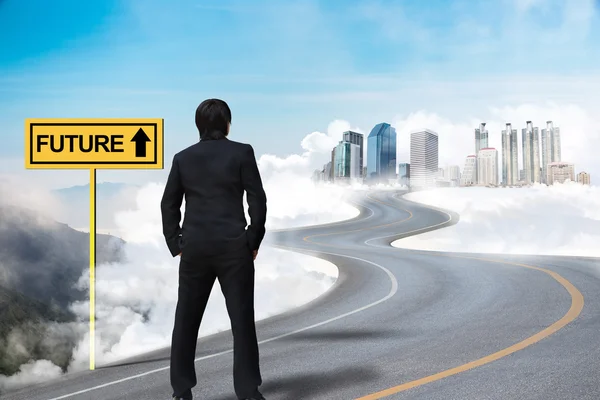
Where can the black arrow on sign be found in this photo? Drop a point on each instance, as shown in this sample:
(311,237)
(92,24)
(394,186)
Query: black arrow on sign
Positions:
(140,139)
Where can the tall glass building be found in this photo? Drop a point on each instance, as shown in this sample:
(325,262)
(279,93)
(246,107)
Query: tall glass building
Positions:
(510,156)
(481,142)
(531,153)
(347,160)
(404,174)
(381,152)
(356,138)
(550,148)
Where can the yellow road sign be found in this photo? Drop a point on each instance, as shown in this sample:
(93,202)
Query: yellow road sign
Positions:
(94,143)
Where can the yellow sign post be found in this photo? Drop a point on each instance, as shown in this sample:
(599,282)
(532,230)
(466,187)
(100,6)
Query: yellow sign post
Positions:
(94,144)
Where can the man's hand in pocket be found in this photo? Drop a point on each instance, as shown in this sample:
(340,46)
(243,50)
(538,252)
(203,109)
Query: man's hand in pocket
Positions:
(254,254)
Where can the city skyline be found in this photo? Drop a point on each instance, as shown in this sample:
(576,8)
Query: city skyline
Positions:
(483,169)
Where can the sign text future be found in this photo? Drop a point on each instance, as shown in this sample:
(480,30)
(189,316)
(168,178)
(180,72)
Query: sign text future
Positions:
(94,143)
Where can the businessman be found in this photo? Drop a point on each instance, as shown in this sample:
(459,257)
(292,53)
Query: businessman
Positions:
(214,243)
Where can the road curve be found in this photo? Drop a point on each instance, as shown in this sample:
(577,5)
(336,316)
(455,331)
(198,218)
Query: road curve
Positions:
(398,324)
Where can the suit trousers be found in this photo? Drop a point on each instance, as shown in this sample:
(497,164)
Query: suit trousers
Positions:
(197,275)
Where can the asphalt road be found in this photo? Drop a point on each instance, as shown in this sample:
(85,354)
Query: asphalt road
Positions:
(398,324)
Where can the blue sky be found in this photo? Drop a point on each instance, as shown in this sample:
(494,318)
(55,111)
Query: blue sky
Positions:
(287,68)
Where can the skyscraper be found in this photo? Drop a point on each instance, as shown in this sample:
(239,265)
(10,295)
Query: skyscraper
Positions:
(346,162)
(381,153)
(328,172)
(481,142)
(317,175)
(510,156)
(487,166)
(531,153)
(356,138)
(423,158)
(550,148)
(468,176)
(404,174)
(481,138)
(332,168)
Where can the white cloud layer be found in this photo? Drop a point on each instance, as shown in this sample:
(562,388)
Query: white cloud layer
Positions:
(563,219)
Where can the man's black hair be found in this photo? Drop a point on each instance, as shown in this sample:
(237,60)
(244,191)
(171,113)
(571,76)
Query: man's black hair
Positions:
(212,119)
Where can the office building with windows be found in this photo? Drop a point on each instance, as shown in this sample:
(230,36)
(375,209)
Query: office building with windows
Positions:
(551,151)
(481,141)
(530,139)
(510,156)
(381,153)
(583,178)
(347,161)
(487,167)
(404,174)
(328,172)
(357,139)
(452,172)
(424,158)
(560,172)
(468,175)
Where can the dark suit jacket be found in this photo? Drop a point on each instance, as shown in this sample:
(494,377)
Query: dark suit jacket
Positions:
(213,175)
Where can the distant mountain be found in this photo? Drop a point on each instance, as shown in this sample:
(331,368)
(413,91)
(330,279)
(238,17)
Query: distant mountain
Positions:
(103,190)
(110,198)
(40,262)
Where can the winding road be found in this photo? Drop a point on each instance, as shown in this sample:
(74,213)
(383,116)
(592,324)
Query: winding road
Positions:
(398,324)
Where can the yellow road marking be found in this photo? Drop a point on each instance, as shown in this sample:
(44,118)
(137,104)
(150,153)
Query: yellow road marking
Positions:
(577,303)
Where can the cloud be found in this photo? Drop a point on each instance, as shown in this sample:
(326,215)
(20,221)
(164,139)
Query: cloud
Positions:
(31,373)
(316,148)
(523,35)
(15,192)
(522,6)
(576,17)
(563,219)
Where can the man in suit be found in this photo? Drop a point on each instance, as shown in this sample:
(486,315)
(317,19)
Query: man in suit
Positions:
(214,242)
